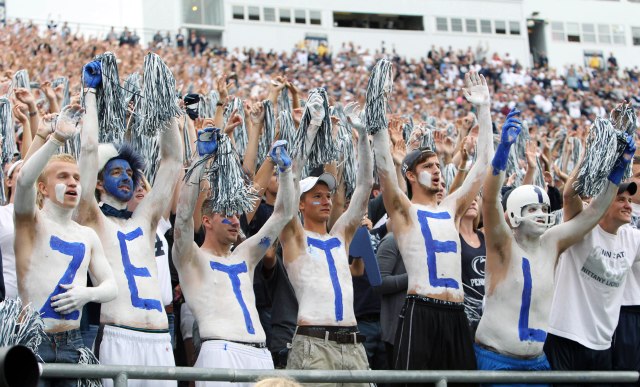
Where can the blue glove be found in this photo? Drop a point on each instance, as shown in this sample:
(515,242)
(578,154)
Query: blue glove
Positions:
(92,73)
(208,141)
(617,172)
(279,155)
(510,131)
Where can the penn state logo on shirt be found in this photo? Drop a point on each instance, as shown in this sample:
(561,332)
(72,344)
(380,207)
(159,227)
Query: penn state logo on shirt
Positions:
(606,267)
(477,264)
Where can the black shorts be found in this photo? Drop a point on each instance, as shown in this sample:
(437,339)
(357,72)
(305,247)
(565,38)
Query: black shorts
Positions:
(626,340)
(433,335)
(568,355)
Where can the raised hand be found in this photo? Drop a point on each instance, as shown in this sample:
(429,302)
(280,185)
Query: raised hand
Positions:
(352,111)
(19,113)
(23,95)
(617,172)
(511,128)
(66,125)
(279,155)
(92,73)
(208,140)
(476,90)
(531,152)
(468,147)
(234,121)
(256,113)
(223,88)
(316,110)
(510,131)
(48,90)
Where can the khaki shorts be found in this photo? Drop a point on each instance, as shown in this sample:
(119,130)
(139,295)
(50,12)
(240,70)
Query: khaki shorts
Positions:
(311,353)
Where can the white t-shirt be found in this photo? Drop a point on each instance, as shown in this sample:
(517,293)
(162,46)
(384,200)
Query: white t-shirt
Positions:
(590,281)
(162,260)
(7,237)
(631,294)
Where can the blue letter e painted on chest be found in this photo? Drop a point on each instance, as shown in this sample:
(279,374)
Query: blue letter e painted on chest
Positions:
(326,246)
(433,246)
(233,271)
(526,333)
(131,272)
(76,250)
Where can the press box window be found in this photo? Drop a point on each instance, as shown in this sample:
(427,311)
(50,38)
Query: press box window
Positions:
(472,25)
(378,21)
(485,26)
(269,14)
(238,12)
(514,28)
(456,25)
(254,13)
(618,34)
(301,16)
(588,33)
(557,31)
(635,35)
(573,32)
(285,15)
(315,18)
(442,24)
(501,27)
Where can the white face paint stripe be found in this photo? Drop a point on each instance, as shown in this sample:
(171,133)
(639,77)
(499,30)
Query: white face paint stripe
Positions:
(60,190)
(425,178)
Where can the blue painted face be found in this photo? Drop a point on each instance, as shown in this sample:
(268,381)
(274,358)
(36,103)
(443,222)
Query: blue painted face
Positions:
(118,181)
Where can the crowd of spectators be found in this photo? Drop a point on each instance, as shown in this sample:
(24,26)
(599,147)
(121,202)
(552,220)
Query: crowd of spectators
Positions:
(556,103)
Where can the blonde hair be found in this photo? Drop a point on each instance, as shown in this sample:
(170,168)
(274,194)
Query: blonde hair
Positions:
(64,157)
(277,382)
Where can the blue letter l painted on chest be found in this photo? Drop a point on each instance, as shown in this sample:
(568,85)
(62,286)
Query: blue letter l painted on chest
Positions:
(433,246)
(326,246)
(526,333)
(233,271)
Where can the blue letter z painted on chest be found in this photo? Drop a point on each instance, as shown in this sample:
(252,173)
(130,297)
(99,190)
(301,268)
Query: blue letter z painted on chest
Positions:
(433,246)
(76,251)
(526,333)
(131,272)
(233,271)
(326,246)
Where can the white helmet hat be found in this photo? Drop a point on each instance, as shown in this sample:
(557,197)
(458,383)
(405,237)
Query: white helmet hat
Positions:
(522,196)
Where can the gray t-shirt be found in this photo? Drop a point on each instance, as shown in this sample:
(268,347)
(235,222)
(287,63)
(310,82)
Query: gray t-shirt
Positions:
(393,288)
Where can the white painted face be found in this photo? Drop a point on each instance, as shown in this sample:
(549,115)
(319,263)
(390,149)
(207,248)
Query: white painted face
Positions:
(425,178)
(535,218)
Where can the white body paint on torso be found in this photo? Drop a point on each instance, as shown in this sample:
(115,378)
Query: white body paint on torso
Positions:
(137,241)
(48,264)
(505,325)
(217,303)
(317,290)
(433,264)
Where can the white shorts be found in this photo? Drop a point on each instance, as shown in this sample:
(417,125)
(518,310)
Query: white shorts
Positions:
(225,354)
(120,346)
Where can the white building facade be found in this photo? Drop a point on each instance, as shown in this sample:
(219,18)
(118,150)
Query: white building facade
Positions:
(567,31)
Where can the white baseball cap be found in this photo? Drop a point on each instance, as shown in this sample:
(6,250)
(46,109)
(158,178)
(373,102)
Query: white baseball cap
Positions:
(307,184)
(106,152)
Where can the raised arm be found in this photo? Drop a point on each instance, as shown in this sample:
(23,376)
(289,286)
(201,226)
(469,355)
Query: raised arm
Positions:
(156,202)
(283,211)
(25,198)
(477,93)
(496,230)
(569,233)
(571,201)
(395,201)
(184,248)
(352,217)
(88,211)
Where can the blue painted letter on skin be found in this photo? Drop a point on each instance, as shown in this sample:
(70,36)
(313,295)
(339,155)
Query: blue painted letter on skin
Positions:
(326,246)
(233,271)
(76,251)
(265,242)
(131,272)
(433,246)
(526,333)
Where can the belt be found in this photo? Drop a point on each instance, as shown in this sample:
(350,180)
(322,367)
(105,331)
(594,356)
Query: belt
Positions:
(168,308)
(434,301)
(254,345)
(341,335)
